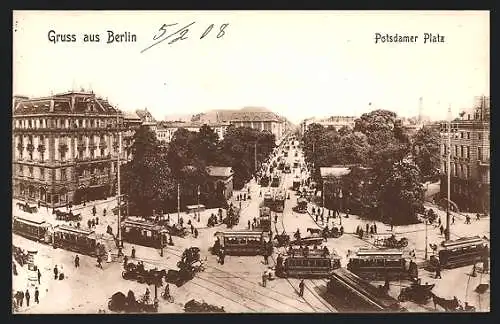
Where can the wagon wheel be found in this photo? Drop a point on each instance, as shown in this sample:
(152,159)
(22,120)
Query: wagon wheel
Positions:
(124,275)
(404,242)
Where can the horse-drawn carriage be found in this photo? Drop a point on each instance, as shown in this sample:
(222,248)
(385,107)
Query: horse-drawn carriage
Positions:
(177,230)
(417,293)
(137,272)
(282,239)
(233,217)
(390,241)
(189,264)
(25,207)
(452,305)
(68,217)
(334,232)
(194,306)
(121,303)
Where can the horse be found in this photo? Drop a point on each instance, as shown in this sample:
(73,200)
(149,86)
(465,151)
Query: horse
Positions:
(447,304)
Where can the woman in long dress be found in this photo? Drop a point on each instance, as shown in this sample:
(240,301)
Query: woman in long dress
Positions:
(109,256)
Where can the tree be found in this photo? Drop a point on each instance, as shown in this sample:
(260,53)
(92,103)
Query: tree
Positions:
(205,143)
(353,149)
(402,193)
(146,179)
(425,150)
(375,121)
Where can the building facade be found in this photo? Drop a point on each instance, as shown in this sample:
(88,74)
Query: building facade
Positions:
(334,121)
(221,180)
(131,123)
(165,130)
(65,148)
(470,158)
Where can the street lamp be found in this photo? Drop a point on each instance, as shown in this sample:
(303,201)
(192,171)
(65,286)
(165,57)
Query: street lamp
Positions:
(426,221)
(198,203)
(340,198)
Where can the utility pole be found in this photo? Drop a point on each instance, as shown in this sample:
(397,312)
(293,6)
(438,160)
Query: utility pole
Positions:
(120,242)
(447,232)
(178,203)
(426,221)
(198,203)
(255,156)
(323,194)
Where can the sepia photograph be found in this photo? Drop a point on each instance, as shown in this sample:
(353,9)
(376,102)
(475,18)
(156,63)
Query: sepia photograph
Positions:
(179,162)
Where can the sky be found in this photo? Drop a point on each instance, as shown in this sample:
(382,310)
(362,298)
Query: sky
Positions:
(298,64)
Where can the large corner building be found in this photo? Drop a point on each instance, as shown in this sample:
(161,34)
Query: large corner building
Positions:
(65,148)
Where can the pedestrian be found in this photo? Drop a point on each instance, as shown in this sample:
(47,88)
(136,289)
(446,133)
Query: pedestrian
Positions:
(222,256)
(264,279)
(313,210)
(367,228)
(453,219)
(89,223)
(99,261)
(109,257)
(473,274)
(316,218)
(192,229)
(27,295)
(266,258)
(301,288)
(132,254)
(276,218)
(322,218)
(39,204)
(104,212)
(478,217)
(77,261)
(21,298)
(93,223)
(375,228)
(441,229)
(125,261)
(438,271)
(260,193)
(249,224)
(94,211)
(439,221)
(360,233)
(37,294)
(39,275)
(97,220)
(55,272)
(195,233)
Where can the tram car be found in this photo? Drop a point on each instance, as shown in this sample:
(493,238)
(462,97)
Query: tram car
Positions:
(241,242)
(268,200)
(275,181)
(264,221)
(461,252)
(279,202)
(308,241)
(354,294)
(296,184)
(31,227)
(307,263)
(301,206)
(144,233)
(78,240)
(378,264)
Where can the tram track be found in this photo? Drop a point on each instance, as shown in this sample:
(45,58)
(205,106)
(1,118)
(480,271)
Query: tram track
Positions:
(220,283)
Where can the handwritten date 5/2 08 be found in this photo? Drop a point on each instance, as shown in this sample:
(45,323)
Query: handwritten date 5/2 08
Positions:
(167,31)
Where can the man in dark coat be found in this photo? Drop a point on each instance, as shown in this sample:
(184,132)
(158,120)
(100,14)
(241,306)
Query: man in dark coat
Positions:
(77,261)
(21,298)
(39,275)
(55,272)
(37,295)
(301,288)
(27,295)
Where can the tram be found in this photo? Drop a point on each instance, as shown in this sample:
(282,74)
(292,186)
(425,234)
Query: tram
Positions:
(268,200)
(242,242)
(296,184)
(461,252)
(301,205)
(264,221)
(31,227)
(77,240)
(275,181)
(356,294)
(378,264)
(307,263)
(144,233)
(279,202)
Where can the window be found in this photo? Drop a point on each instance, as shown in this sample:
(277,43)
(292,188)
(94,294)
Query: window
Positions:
(456,150)
(42,174)
(454,168)
(468,135)
(20,169)
(462,151)
(63,174)
(479,136)
(102,152)
(479,153)
(461,134)
(468,152)
(466,172)
(461,170)
(30,172)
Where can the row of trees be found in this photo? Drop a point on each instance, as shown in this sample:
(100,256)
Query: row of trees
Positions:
(152,177)
(390,165)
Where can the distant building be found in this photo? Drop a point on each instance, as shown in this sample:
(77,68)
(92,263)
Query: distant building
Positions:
(470,157)
(131,123)
(165,130)
(336,122)
(221,180)
(147,118)
(65,148)
(257,118)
